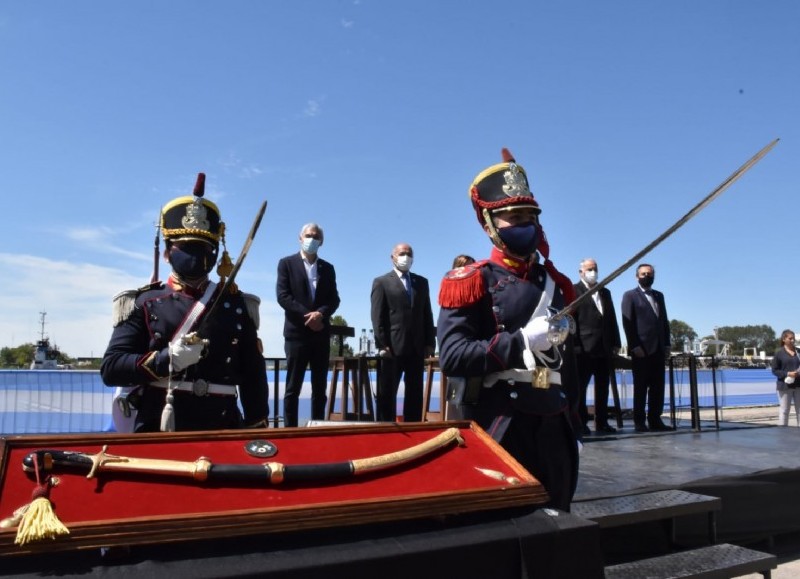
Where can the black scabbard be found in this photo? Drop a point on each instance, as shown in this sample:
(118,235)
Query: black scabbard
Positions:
(263,473)
(301,472)
(257,473)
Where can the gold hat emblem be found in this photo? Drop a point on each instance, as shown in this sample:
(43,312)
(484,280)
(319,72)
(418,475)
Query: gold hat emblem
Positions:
(516,184)
(196,216)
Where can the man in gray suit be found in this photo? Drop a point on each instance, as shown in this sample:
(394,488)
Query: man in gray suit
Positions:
(644,318)
(404,335)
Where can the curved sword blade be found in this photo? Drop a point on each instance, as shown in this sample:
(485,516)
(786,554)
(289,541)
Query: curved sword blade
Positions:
(670,230)
(237,266)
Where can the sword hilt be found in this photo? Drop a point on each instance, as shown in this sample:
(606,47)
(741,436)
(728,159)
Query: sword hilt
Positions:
(561,326)
(48,460)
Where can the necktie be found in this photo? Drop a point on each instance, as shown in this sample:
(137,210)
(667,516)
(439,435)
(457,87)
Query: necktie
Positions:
(312,283)
(407,283)
(650,298)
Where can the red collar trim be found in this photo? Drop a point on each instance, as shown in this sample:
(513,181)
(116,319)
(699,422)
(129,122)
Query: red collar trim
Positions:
(519,267)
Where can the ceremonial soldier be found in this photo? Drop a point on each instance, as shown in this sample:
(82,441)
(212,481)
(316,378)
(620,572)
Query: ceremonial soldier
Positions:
(509,369)
(190,369)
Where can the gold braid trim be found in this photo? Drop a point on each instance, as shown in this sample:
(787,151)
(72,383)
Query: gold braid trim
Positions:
(148,365)
(170,233)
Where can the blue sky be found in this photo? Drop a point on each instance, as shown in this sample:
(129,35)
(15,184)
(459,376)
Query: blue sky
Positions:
(372,118)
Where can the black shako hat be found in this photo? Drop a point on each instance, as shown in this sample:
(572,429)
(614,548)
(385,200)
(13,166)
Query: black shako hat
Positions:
(502,186)
(192,217)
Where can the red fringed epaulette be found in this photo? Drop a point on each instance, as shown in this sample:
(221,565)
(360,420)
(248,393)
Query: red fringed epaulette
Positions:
(462,286)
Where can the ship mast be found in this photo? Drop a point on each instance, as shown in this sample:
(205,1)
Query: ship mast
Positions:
(41,321)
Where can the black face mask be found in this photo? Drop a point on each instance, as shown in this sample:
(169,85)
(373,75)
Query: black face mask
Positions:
(192,260)
(520,239)
(646,281)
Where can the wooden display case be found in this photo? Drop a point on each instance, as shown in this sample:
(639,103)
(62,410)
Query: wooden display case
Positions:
(122,508)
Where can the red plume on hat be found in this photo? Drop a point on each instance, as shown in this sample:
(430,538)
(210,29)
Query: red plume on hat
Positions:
(200,185)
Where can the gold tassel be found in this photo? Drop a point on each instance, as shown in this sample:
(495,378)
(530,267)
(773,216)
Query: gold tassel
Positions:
(225,266)
(37,520)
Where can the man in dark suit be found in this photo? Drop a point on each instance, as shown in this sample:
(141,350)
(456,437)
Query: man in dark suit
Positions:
(307,292)
(596,341)
(646,325)
(404,335)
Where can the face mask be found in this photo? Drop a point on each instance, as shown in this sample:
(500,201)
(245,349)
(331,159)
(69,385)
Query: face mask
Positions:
(646,282)
(310,245)
(403,262)
(520,239)
(590,276)
(192,260)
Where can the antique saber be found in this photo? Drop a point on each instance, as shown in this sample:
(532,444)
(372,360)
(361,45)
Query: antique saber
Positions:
(203,470)
(674,227)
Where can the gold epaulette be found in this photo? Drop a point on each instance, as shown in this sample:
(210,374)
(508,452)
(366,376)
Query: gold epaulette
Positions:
(462,286)
(125,301)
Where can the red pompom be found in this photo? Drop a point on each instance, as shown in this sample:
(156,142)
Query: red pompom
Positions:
(507,156)
(200,186)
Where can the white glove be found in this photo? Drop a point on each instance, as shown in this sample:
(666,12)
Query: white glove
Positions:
(535,333)
(788,380)
(183,354)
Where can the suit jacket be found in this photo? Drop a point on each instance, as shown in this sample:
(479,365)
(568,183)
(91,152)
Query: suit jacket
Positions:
(294,295)
(642,326)
(405,327)
(596,334)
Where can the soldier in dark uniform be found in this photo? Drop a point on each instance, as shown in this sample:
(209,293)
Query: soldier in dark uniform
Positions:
(508,368)
(190,375)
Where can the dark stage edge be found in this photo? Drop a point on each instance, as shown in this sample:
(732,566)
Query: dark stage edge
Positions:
(754,469)
(515,543)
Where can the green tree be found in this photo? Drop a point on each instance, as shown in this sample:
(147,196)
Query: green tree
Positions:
(22,356)
(347,349)
(18,357)
(679,333)
(760,337)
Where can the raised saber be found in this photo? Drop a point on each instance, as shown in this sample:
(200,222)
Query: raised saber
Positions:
(238,265)
(558,328)
(202,469)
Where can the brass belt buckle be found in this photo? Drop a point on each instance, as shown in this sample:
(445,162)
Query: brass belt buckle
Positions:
(200,387)
(540,378)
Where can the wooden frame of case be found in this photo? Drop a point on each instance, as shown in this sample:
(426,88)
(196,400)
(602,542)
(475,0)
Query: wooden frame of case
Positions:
(453,495)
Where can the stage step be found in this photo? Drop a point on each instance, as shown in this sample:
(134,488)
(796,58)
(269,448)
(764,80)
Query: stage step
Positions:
(716,561)
(652,506)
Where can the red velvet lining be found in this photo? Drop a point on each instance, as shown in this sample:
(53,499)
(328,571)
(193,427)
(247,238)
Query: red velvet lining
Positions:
(127,496)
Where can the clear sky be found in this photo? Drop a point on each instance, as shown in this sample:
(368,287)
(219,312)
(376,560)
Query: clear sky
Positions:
(372,117)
